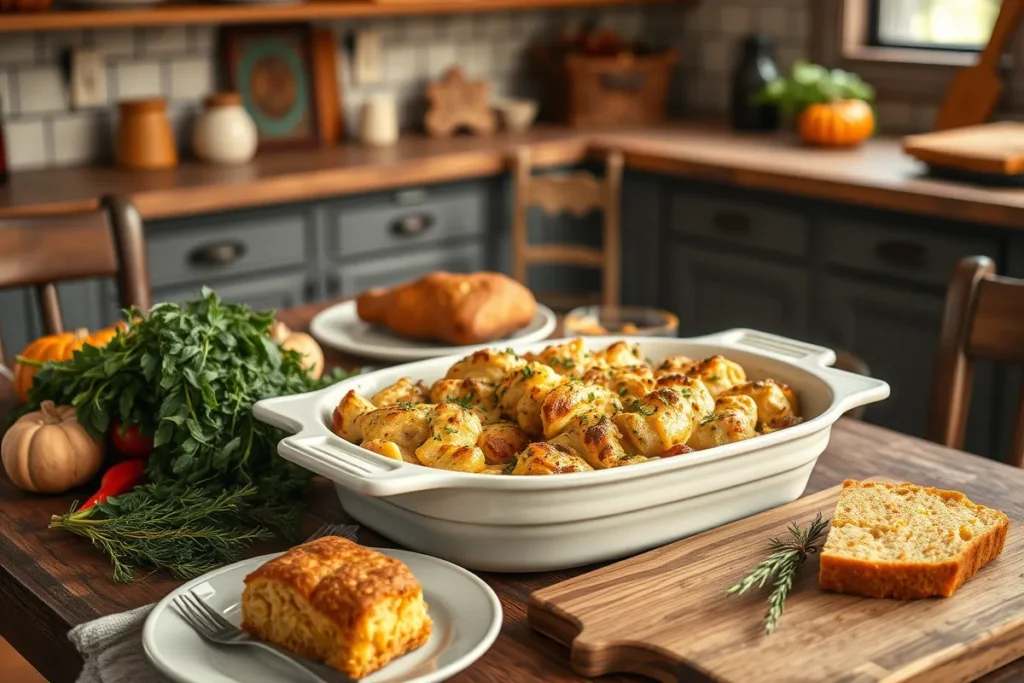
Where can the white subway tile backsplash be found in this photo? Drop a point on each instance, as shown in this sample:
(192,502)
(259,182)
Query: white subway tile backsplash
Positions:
(736,20)
(115,42)
(202,39)
(6,94)
(717,55)
(25,142)
(164,40)
(138,79)
(81,137)
(191,78)
(419,30)
(401,63)
(52,44)
(476,59)
(774,20)
(41,90)
(439,57)
(17,48)
(460,27)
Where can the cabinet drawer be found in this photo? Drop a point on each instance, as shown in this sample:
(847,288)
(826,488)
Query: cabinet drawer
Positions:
(192,251)
(265,293)
(404,219)
(919,255)
(386,272)
(748,224)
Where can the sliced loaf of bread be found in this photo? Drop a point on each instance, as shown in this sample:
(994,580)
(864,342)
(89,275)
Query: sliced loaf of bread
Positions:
(907,541)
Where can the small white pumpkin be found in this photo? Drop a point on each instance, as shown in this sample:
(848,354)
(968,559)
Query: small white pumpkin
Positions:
(304,345)
(49,452)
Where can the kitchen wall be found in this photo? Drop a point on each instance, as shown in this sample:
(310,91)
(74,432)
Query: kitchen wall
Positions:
(179,63)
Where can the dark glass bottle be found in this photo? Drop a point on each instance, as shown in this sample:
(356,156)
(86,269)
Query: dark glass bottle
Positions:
(756,68)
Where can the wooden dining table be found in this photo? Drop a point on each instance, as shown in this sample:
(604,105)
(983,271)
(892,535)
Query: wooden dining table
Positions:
(51,581)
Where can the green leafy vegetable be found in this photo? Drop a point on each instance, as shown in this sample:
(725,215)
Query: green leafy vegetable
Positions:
(814,84)
(189,375)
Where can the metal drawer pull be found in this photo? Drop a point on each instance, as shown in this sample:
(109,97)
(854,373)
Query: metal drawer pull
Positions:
(221,254)
(732,223)
(408,226)
(902,254)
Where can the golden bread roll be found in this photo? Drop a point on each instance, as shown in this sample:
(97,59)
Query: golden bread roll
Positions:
(451,307)
(335,601)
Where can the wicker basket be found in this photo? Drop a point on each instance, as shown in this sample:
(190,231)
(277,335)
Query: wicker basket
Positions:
(620,90)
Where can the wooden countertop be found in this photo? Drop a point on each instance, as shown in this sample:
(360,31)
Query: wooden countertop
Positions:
(877,175)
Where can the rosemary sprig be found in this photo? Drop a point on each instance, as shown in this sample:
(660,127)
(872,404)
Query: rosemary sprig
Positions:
(788,554)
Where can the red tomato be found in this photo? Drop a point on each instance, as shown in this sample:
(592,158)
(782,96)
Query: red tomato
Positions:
(132,442)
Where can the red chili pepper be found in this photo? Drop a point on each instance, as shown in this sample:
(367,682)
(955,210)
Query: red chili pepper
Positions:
(119,479)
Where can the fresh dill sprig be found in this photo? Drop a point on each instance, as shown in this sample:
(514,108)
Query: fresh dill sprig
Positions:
(188,534)
(788,555)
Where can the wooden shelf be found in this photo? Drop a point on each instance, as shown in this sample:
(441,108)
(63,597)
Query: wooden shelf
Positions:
(178,14)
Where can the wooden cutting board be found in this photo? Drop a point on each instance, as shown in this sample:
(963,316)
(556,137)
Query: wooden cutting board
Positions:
(996,148)
(665,614)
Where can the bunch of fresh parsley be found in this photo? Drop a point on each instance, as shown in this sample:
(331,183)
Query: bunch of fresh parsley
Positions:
(188,374)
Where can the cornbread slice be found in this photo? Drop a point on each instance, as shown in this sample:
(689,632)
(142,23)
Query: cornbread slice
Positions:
(337,602)
(906,541)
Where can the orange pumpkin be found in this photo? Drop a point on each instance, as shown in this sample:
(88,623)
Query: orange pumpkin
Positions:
(844,123)
(55,347)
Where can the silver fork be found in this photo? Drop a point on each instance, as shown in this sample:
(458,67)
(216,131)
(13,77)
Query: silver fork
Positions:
(211,625)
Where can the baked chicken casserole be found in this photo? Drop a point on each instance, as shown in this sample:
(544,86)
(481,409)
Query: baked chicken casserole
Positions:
(564,409)
(335,601)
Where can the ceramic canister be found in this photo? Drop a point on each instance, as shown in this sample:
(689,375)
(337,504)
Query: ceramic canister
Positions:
(224,133)
(378,124)
(144,137)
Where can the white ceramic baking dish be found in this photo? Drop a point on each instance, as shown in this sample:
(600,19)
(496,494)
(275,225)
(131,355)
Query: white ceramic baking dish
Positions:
(540,523)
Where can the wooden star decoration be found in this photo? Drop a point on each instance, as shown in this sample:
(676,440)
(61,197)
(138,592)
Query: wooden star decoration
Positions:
(456,103)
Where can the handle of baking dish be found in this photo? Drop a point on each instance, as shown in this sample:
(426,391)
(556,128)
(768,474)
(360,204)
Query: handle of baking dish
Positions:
(850,390)
(772,345)
(360,470)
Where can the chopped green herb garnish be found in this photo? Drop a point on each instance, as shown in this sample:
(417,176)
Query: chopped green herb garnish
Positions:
(404,405)
(711,417)
(714,378)
(637,407)
(590,397)
(510,466)
(465,402)
(451,430)
(623,391)
(527,372)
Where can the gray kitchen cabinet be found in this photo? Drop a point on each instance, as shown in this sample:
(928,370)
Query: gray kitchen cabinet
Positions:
(642,218)
(358,276)
(896,332)
(81,305)
(264,293)
(712,290)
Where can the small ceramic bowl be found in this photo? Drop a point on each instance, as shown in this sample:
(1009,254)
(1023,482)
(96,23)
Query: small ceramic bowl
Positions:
(517,114)
(625,320)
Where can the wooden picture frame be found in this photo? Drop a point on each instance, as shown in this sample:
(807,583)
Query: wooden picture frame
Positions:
(273,68)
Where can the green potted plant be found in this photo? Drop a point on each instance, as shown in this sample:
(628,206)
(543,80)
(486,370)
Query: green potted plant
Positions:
(832,107)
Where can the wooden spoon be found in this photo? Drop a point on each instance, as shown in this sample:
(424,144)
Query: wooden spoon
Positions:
(975,91)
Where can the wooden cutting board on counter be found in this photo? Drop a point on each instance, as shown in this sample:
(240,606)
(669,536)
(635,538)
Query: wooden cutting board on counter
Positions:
(665,614)
(992,148)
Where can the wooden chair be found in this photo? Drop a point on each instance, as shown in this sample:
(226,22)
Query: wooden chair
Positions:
(983,319)
(576,193)
(40,251)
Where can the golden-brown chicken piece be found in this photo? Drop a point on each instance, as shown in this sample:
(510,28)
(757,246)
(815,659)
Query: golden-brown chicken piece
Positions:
(572,399)
(624,382)
(571,358)
(734,419)
(402,391)
(597,439)
(548,458)
(451,307)
(472,394)
(345,420)
(620,355)
(501,441)
(522,393)
(690,388)
(658,421)
(489,365)
(777,406)
(451,443)
(404,425)
(718,374)
(674,365)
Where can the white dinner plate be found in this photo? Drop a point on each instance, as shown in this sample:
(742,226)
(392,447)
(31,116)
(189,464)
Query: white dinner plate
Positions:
(340,327)
(465,611)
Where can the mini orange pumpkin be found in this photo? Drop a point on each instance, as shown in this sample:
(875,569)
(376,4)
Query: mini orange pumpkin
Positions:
(55,347)
(843,123)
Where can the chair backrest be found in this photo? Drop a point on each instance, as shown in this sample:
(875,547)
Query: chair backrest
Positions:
(42,250)
(576,193)
(983,319)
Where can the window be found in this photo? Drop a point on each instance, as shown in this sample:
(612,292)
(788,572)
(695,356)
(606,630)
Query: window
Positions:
(932,24)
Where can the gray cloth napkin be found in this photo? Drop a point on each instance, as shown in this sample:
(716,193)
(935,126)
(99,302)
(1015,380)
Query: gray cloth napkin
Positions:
(112,646)
(112,649)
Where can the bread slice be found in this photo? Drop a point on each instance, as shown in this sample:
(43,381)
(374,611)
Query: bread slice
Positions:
(906,541)
(335,601)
